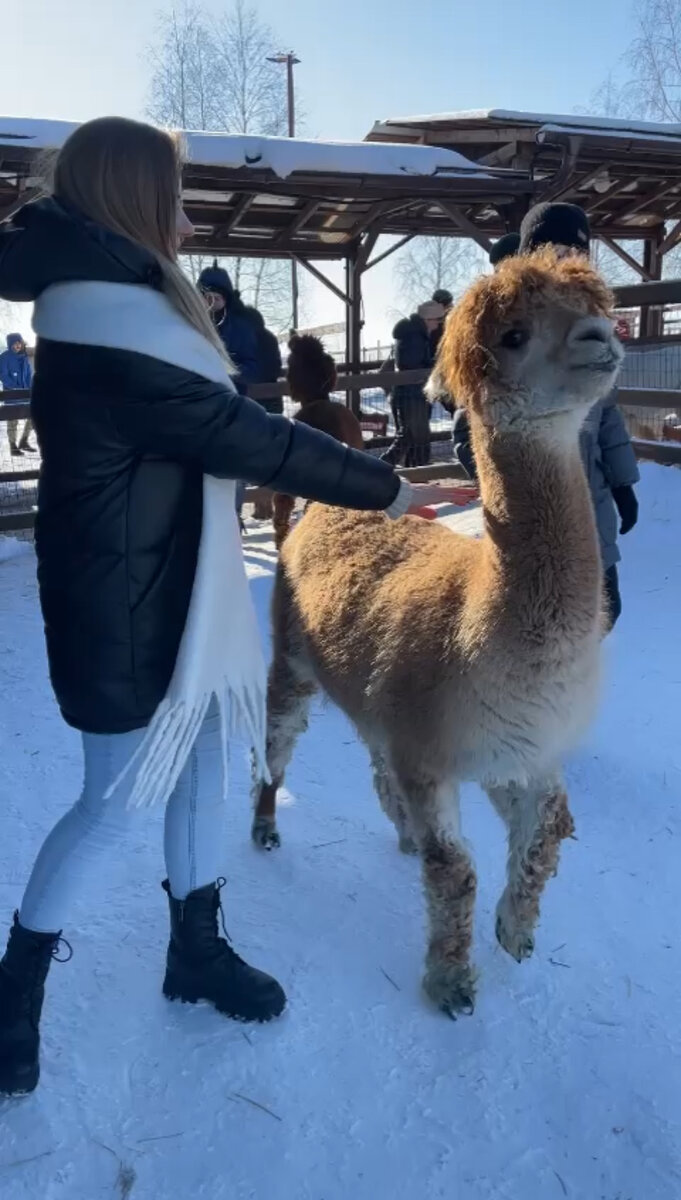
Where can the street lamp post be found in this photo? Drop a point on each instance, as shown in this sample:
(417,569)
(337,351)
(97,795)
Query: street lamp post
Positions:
(290,60)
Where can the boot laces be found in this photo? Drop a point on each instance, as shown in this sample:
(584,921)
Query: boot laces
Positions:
(36,976)
(220,883)
(61,941)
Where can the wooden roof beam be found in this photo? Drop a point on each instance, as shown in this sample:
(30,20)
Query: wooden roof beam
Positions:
(381,210)
(672,239)
(465,225)
(575,183)
(626,257)
(391,250)
(240,211)
(300,220)
(645,201)
(322,278)
(595,202)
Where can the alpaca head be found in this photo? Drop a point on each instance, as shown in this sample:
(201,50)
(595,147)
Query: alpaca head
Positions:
(311,371)
(532,341)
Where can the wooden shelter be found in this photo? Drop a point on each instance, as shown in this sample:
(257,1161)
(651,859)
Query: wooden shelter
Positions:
(313,202)
(470,175)
(625,174)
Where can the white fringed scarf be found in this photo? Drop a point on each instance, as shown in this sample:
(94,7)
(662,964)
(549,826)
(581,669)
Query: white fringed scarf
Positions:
(220,655)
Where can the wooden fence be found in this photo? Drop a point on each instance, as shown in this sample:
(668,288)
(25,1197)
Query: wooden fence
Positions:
(663,400)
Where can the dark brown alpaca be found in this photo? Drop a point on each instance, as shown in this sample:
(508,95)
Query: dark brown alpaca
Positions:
(311,375)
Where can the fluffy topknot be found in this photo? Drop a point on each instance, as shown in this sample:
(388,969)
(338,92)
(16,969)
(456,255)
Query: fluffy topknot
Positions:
(311,370)
(521,285)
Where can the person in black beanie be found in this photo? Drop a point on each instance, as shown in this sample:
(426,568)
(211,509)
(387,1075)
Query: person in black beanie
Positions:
(563,226)
(505,247)
(608,454)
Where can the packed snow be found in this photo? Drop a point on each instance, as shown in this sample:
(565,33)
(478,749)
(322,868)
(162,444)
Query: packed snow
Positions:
(283,156)
(565,1081)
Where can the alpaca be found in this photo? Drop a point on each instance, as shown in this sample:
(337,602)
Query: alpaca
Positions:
(460,659)
(312,377)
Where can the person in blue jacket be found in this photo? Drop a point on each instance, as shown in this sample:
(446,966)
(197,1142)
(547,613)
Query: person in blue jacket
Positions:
(238,333)
(16,375)
(232,323)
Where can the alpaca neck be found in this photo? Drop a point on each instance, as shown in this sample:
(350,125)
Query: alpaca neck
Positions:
(308,401)
(540,532)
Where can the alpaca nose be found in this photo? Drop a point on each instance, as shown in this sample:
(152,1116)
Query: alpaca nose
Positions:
(592,329)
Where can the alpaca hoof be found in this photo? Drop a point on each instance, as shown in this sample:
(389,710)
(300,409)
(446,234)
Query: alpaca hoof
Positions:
(515,940)
(407,844)
(452,989)
(265,833)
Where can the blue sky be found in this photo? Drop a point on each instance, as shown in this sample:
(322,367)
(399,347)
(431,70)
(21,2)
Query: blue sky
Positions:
(361,60)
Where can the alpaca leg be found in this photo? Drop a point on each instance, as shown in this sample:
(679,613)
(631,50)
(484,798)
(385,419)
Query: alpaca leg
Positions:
(450,884)
(282,509)
(537,817)
(392,803)
(289,692)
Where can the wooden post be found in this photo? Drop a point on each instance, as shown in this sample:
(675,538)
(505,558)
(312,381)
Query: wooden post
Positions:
(651,318)
(353,341)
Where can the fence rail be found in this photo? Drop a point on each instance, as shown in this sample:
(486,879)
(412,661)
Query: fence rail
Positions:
(17,501)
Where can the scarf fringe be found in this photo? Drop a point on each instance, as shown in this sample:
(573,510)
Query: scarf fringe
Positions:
(163,752)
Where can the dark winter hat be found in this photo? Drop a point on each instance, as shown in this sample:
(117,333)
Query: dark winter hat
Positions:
(216,279)
(443,297)
(555,225)
(506,247)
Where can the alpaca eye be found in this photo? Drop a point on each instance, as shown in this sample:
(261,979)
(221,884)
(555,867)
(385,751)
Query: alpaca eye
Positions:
(513,339)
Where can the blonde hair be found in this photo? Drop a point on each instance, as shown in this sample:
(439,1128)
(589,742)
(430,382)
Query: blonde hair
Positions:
(126,176)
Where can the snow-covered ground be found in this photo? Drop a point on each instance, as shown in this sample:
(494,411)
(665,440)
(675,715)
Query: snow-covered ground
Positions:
(566,1082)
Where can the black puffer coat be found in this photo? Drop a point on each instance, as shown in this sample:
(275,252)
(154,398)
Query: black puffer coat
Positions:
(412,344)
(128,425)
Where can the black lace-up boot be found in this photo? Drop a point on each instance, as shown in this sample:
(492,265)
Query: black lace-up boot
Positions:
(202,966)
(23,972)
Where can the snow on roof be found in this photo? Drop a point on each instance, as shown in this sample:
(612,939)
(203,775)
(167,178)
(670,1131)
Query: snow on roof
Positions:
(283,156)
(575,121)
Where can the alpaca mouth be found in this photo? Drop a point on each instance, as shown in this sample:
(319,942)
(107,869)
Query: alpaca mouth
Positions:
(604,365)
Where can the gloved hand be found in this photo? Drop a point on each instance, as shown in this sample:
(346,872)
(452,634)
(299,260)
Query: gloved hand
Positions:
(627,507)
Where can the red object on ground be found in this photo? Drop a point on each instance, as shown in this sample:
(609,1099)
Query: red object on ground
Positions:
(428,513)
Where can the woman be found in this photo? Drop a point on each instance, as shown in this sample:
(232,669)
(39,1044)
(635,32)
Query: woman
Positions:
(151,636)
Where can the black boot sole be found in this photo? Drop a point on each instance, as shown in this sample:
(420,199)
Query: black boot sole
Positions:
(22,1084)
(196,996)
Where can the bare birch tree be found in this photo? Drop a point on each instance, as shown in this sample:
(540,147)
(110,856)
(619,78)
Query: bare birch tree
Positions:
(211,73)
(654,61)
(647,86)
(429,263)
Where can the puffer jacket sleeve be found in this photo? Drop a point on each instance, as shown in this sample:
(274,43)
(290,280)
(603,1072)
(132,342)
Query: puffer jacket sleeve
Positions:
(163,409)
(617,453)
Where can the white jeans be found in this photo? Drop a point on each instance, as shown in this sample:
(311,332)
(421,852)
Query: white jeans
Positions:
(194,826)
